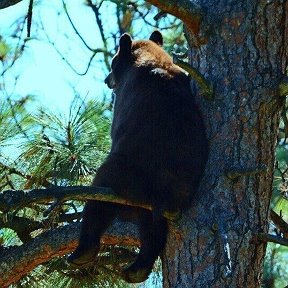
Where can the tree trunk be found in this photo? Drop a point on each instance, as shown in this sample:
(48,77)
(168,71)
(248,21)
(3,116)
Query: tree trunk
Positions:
(244,52)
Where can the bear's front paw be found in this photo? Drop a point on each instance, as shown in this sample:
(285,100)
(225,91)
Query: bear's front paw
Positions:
(133,274)
(82,257)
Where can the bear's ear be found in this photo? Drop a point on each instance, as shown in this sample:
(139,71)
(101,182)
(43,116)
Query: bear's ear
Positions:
(125,44)
(157,37)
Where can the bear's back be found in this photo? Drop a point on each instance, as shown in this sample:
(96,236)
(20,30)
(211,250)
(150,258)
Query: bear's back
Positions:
(155,115)
(157,130)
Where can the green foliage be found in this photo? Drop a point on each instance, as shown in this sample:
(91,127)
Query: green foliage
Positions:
(15,123)
(14,120)
(4,49)
(67,151)
(276,259)
(8,238)
(275,266)
(52,149)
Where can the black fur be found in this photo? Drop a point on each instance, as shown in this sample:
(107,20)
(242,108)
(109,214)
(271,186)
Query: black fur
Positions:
(158,154)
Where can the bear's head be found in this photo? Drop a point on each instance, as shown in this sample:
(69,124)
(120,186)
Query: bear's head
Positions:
(140,54)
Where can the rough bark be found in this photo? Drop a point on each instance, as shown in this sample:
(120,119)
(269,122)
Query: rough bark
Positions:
(17,261)
(245,58)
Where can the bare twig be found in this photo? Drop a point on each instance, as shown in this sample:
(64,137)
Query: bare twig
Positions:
(15,118)
(74,28)
(95,51)
(272,238)
(95,9)
(141,14)
(159,15)
(90,61)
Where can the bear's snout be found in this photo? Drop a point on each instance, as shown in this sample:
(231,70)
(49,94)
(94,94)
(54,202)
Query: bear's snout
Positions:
(110,81)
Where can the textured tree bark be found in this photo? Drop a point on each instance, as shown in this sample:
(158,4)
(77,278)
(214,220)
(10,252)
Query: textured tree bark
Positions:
(245,57)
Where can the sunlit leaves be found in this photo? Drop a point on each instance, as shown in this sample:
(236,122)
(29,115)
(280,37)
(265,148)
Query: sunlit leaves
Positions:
(4,49)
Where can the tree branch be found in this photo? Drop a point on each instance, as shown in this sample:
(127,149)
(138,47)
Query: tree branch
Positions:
(95,9)
(186,10)
(279,222)
(95,51)
(29,18)
(263,237)
(16,199)
(74,27)
(16,262)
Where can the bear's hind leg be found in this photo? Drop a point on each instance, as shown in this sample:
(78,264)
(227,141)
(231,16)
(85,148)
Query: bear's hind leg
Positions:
(153,235)
(97,217)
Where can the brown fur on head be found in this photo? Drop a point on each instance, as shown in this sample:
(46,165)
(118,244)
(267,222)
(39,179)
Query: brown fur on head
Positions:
(143,53)
(147,53)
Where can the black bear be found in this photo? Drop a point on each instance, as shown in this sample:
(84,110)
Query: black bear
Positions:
(158,154)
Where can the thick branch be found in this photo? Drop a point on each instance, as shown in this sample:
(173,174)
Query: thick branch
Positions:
(16,262)
(15,199)
(187,11)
